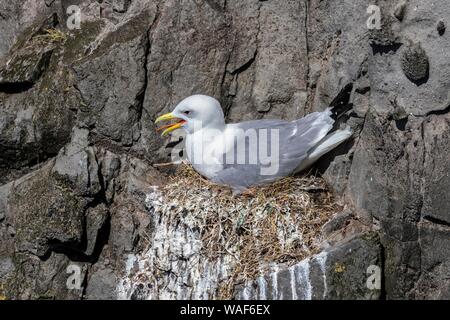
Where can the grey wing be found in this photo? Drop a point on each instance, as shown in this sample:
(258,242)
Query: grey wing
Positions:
(295,140)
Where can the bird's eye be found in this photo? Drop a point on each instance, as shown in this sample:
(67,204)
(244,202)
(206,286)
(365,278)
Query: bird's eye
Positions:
(187,112)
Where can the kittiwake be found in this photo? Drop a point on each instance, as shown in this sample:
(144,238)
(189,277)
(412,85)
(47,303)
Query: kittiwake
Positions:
(250,153)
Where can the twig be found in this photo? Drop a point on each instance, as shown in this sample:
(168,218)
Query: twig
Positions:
(165,164)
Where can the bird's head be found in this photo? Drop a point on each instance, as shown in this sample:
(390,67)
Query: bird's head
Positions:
(194,113)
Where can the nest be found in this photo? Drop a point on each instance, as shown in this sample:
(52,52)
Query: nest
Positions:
(276,223)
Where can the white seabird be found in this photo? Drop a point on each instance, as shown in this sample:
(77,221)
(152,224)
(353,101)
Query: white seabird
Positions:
(245,154)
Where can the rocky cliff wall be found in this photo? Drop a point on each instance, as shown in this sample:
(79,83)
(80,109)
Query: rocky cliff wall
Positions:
(77,140)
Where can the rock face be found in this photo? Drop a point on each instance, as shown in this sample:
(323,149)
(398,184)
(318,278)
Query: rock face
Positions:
(77,139)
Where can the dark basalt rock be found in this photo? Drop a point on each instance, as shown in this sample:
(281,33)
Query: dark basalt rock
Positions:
(77,139)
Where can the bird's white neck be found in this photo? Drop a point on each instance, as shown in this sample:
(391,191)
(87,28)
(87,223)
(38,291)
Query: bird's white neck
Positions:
(202,149)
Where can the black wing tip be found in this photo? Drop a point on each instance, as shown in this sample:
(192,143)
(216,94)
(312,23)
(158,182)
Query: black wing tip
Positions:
(341,104)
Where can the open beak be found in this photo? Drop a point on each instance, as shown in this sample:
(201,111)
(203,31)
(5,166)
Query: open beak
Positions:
(170,127)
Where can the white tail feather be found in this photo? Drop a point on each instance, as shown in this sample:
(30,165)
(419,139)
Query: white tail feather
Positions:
(325,145)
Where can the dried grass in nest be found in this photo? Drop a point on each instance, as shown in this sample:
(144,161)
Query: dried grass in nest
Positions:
(276,223)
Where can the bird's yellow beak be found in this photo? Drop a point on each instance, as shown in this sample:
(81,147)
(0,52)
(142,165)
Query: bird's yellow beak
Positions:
(170,127)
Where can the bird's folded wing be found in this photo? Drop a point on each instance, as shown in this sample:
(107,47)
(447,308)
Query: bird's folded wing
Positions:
(295,140)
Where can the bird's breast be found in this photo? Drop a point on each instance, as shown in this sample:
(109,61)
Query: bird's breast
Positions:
(204,152)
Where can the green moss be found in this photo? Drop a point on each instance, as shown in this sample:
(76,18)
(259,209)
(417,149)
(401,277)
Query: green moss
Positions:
(76,43)
(371,237)
(47,209)
(2,292)
(130,30)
